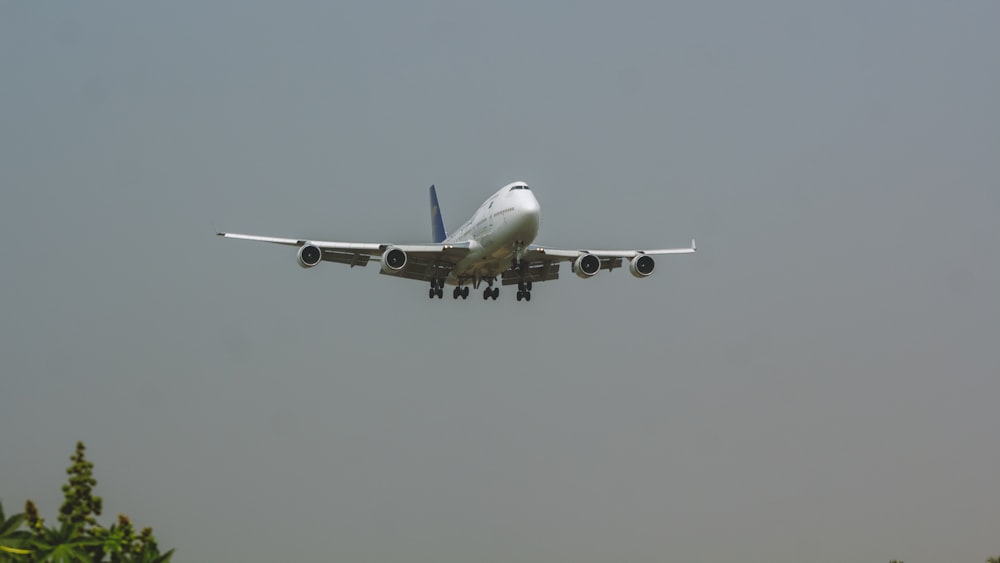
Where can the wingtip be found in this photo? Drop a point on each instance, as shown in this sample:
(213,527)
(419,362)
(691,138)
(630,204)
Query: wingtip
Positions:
(694,246)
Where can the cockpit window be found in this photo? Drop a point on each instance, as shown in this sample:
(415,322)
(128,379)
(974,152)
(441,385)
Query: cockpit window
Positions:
(519,188)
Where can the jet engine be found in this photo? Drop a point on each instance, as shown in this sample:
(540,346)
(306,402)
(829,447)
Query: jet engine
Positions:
(393,259)
(586,265)
(642,265)
(309,255)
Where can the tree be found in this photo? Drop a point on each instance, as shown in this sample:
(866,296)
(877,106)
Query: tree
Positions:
(993,560)
(80,506)
(79,537)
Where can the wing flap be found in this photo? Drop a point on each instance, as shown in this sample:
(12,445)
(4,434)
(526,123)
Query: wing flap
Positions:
(535,271)
(610,262)
(350,258)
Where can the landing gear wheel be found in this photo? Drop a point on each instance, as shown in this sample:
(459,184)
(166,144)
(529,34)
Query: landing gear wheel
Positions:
(431,293)
(496,293)
(456,292)
(440,293)
(527,296)
(487,294)
(465,292)
(520,295)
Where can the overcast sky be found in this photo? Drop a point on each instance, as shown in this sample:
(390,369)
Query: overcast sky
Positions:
(819,383)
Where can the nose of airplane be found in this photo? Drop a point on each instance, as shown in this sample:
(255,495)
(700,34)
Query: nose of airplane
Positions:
(530,214)
(533,206)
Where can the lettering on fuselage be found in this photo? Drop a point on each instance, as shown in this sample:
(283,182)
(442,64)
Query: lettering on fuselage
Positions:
(503,212)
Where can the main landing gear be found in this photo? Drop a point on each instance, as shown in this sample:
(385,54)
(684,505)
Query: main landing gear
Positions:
(437,289)
(524,291)
(490,292)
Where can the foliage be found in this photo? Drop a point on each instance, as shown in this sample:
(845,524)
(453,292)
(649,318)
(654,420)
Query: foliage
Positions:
(12,538)
(121,543)
(62,545)
(79,537)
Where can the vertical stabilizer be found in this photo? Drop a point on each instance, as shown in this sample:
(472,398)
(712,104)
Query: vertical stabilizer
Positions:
(437,222)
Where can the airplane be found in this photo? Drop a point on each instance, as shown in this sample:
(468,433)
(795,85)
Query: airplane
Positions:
(494,247)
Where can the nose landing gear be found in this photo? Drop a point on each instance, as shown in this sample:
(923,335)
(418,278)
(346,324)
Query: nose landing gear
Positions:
(516,263)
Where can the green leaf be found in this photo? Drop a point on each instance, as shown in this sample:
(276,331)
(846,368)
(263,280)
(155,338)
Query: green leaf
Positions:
(11,524)
(15,550)
(165,558)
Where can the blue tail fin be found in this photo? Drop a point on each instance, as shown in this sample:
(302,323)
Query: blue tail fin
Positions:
(437,223)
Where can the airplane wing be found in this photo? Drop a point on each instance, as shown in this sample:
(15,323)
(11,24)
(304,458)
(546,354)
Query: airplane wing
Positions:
(540,263)
(420,261)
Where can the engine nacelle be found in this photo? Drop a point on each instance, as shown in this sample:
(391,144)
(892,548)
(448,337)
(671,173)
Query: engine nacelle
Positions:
(393,259)
(310,255)
(642,265)
(586,265)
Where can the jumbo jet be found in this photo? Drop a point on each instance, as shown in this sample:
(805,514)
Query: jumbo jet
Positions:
(494,247)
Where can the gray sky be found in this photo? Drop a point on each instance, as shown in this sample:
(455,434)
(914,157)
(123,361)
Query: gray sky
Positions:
(818,383)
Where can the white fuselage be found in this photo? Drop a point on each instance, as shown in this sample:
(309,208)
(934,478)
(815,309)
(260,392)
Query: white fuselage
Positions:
(502,227)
